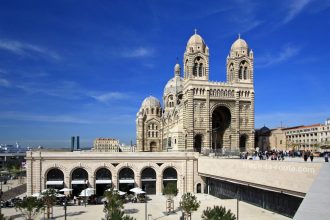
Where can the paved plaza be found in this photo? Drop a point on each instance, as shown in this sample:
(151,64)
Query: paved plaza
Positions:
(156,207)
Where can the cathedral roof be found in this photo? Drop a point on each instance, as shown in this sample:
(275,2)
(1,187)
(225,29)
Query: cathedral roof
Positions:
(195,39)
(173,86)
(239,44)
(150,101)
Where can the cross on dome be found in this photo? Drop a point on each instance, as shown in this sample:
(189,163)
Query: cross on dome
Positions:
(195,31)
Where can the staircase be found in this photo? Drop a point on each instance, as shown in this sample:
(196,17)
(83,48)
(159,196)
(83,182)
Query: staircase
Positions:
(14,192)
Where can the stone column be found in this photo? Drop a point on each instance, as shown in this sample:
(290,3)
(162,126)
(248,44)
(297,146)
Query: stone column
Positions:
(137,180)
(115,182)
(207,120)
(159,185)
(91,181)
(190,119)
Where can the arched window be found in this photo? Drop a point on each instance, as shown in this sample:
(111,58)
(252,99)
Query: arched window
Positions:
(245,73)
(200,71)
(240,73)
(195,69)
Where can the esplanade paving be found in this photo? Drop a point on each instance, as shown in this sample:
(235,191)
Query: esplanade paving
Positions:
(273,185)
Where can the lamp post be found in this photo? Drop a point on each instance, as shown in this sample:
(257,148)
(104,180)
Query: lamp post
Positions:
(85,192)
(146,206)
(1,195)
(64,204)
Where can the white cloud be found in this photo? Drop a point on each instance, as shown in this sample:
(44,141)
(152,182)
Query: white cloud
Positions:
(138,52)
(287,52)
(4,83)
(21,116)
(24,49)
(109,96)
(295,7)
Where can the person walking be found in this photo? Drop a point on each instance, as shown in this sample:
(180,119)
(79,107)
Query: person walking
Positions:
(311,156)
(305,156)
(326,157)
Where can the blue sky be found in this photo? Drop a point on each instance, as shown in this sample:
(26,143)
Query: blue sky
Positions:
(84,67)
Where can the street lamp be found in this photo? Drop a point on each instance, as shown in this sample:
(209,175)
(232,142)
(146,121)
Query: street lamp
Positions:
(64,204)
(146,206)
(85,191)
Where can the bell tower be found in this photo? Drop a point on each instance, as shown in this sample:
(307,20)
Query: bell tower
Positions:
(196,59)
(240,63)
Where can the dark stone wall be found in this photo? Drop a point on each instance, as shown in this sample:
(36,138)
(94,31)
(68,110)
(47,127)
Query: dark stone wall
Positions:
(281,203)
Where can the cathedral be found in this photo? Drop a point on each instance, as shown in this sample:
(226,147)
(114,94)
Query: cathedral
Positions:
(198,114)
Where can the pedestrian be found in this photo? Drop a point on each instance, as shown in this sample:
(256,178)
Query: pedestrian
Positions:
(326,157)
(74,200)
(311,156)
(305,156)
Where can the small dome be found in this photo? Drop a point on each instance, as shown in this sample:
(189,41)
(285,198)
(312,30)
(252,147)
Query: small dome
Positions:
(264,131)
(177,68)
(195,39)
(150,101)
(239,44)
(173,86)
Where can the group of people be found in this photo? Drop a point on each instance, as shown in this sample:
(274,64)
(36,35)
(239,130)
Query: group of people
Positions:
(280,155)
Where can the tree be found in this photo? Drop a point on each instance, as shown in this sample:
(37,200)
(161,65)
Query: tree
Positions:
(189,204)
(170,191)
(29,207)
(217,213)
(49,199)
(113,207)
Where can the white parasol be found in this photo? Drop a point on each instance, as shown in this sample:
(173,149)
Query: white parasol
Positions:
(66,190)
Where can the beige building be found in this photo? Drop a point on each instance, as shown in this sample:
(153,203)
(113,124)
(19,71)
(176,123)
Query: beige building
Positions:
(277,139)
(106,145)
(198,113)
(301,137)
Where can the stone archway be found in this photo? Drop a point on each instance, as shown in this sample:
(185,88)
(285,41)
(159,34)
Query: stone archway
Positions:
(153,146)
(148,180)
(242,142)
(55,179)
(221,121)
(126,179)
(79,181)
(198,143)
(103,180)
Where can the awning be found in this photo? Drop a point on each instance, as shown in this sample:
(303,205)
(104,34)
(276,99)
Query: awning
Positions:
(103,181)
(126,181)
(54,182)
(78,182)
(146,180)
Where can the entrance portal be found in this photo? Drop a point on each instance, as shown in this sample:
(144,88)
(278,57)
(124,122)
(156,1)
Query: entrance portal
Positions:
(55,179)
(103,181)
(242,143)
(148,181)
(79,181)
(221,119)
(198,143)
(153,147)
(170,176)
(126,180)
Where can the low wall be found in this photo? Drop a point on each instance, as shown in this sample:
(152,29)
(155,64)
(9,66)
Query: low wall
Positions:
(294,178)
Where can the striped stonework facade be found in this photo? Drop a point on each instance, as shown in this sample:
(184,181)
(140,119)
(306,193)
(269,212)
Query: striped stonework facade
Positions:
(199,114)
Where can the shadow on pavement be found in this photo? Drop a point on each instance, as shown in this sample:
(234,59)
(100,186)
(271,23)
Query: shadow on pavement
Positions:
(131,211)
(70,214)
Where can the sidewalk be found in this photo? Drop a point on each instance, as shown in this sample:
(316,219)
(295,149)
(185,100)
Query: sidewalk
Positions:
(156,207)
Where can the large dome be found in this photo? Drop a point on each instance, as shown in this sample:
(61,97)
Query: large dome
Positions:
(150,101)
(173,86)
(239,44)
